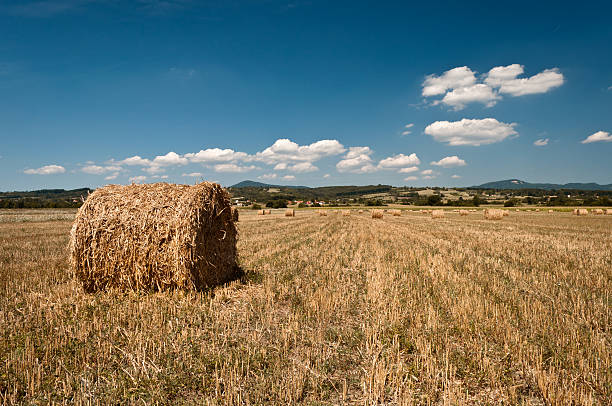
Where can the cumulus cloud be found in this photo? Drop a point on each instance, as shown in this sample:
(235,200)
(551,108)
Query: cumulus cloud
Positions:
(451,79)
(481,93)
(135,161)
(302,167)
(455,176)
(427,172)
(327,175)
(288,177)
(399,161)
(100,170)
(285,150)
(268,176)
(171,158)
(410,169)
(505,77)
(193,175)
(138,179)
(234,168)
(356,160)
(409,178)
(111,177)
(281,166)
(46,170)
(470,131)
(541,142)
(599,136)
(216,155)
(461,87)
(449,161)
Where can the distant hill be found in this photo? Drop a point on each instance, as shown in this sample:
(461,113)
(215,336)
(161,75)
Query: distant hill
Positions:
(252,183)
(521,184)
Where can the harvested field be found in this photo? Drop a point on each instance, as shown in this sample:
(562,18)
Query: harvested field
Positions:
(332,310)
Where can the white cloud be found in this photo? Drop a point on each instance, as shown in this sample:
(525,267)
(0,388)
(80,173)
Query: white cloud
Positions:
(406,132)
(409,125)
(135,161)
(153,169)
(480,93)
(268,176)
(288,177)
(171,158)
(597,137)
(285,150)
(449,161)
(327,175)
(409,169)
(138,179)
(216,155)
(455,176)
(356,160)
(111,177)
(541,142)
(406,129)
(409,178)
(429,177)
(46,170)
(470,131)
(399,161)
(193,175)
(451,79)
(505,77)
(427,172)
(302,167)
(100,170)
(281,166)
(233,168)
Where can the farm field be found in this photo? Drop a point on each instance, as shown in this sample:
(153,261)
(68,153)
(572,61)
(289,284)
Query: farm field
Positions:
(331,310)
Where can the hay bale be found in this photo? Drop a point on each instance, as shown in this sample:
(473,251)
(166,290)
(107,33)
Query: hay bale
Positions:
(261,212)
(290,213)
(598,211)
(360,212)
(436,214)
(583,212)
(268,211)
(397,213)
(154,237)
(551,211)
(322,213)
(518,211)
(608,212)
(463,212)
(377,214)
(493,214)
(235,214)
(506,213)
(346,212)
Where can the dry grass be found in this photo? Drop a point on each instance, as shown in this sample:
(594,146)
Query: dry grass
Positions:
(332,311)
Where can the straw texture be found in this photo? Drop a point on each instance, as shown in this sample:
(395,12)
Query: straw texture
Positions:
(154,237)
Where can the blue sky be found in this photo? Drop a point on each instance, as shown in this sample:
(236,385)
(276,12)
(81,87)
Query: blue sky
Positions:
(303,92)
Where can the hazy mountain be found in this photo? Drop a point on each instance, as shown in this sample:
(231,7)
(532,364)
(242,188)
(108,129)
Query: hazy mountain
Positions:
(252,183)
(521,184)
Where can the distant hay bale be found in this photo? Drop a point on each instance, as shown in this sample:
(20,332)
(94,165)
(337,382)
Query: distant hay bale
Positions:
(598,211)
(551,211)
(575,212)
(360,212)
(518,211)
(436,214)
(268,211)
(396,213)
(346,212)
(377,214)
(463,212)
(583,212)
(506,213)
(608,212)
(322,213)
(154,237)
(537,209)
(493,214)
(261,212)
(235,214)
(290,213)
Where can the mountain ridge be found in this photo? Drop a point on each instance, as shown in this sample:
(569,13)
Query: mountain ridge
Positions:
(521,184)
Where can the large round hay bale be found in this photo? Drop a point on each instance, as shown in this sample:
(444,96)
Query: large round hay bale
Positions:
(154,237)
(608,212)
(322,213)
(377,214)
(463,212)
(598,211)
(583,212)
(268,211)
(261,212)
(436,214)
(493,214)
(346,212)
(290,213)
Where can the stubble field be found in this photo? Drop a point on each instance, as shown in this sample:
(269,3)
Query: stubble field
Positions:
(332,310)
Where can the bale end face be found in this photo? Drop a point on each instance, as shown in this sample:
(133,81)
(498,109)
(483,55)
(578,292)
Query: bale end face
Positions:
(377,214)
(154,237)
(290,213)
